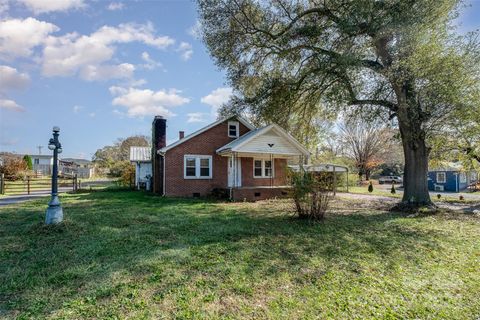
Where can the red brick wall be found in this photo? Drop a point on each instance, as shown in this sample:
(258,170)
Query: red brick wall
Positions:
(205,143)
(279,177)
(253,194)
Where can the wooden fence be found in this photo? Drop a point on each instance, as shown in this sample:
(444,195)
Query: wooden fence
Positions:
(32,185)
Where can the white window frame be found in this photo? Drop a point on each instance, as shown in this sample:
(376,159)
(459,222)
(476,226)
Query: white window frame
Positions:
(197,158)
(237,129)
(263,168)
(463,177)
(444,180)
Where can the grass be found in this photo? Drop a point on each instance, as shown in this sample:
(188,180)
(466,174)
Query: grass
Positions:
(123,254)
(376,191)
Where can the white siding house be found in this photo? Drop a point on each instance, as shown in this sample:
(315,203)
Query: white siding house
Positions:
(142,158)
(42,164)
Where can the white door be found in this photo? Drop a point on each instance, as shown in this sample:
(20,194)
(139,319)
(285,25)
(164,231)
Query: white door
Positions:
(234,172)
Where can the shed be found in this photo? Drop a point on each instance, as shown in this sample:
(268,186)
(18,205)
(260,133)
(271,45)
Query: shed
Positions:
(142,158)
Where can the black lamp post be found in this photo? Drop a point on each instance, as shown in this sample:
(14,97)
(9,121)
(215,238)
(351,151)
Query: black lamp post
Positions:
(54,210)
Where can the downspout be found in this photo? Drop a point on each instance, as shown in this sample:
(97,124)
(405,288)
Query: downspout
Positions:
(164,179)
(162,154)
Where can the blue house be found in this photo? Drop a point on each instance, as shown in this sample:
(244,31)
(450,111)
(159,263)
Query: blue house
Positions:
(450,178)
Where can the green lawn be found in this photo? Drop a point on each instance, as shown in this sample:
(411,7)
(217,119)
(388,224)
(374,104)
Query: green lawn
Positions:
(123,254)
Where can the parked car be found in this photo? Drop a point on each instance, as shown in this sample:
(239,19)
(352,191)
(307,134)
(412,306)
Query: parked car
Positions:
(390,179)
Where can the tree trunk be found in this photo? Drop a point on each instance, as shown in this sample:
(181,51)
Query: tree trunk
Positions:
(415,179)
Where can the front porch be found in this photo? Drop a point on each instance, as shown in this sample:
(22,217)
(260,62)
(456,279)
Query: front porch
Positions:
(258,162)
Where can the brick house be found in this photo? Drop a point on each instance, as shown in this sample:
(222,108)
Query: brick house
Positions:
(229,155)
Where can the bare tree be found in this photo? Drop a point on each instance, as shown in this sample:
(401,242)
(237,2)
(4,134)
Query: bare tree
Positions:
(366,143)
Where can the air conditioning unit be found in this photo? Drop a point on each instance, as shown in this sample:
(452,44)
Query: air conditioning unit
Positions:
(439,187)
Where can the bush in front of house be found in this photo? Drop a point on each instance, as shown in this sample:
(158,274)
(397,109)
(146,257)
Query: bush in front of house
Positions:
(311,193)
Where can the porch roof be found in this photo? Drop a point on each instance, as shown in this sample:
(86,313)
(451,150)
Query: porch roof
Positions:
(271,139)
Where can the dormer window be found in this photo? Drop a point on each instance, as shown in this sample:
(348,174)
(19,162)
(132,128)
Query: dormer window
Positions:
(233,129)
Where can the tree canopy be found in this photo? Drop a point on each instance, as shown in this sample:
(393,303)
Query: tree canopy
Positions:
(288,61)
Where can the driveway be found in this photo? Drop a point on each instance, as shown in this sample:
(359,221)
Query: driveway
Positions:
(466,207)
(433,194)
(13,199)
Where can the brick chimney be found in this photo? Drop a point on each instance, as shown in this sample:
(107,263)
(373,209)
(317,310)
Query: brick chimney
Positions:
(181,134)
(159,132)
(159,140)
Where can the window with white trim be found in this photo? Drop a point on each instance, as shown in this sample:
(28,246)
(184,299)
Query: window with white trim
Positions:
(233,129)
(262,168)
(197,167)
(463,177)
(441,177)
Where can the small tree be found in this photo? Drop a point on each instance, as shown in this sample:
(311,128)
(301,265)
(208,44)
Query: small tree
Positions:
(14,168)
(28,161)
(311,194)
(392,190)
(370,187)
(127,174)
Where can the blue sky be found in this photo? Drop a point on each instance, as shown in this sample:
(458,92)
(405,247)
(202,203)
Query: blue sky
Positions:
(101,69)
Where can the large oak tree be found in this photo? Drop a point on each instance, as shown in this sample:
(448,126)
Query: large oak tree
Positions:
(288,59)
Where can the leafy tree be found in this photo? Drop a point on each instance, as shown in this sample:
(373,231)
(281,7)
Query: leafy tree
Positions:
(460,140)
(120,150)
(28,161)
(286,60)
(116,157)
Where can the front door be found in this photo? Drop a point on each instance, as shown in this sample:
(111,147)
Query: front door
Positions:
(234,172)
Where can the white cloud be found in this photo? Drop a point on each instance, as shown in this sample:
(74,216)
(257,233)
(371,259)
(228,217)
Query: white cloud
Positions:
(12,79)
(76,109)
(216,98)
(103,72)
(145,102)
(92,114)
(185,50)
(113,6)
(18,37)
(196,117)
(150,63)
(129,32)
(72,53)
(10,105)
(136,83)
(196,30)
(44,6)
